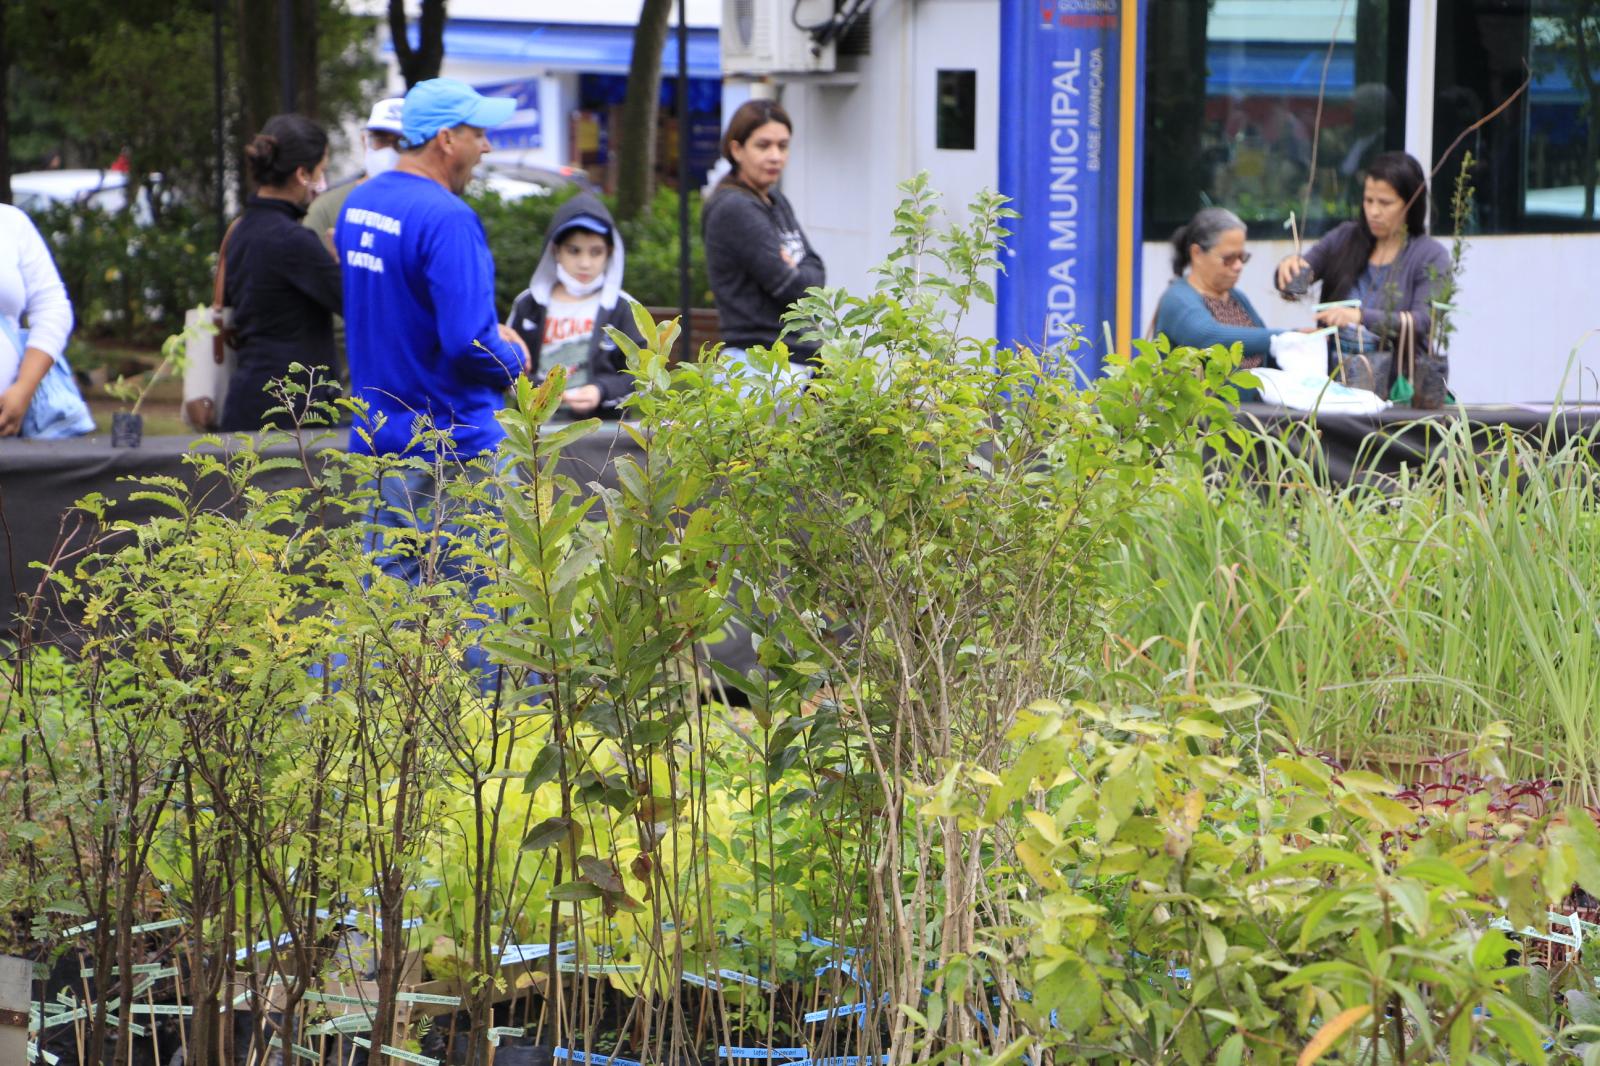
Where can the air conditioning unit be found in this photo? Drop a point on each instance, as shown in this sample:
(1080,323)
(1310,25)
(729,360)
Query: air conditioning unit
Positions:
(775,37)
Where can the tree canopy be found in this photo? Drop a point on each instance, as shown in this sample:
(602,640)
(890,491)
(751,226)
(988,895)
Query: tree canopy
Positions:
(90,80)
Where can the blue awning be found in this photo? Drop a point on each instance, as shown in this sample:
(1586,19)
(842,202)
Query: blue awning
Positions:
(1270,68)
(1294,68)
(563,47)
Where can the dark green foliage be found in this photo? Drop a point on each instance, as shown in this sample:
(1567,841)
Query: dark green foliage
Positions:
(101,76)
(131,282)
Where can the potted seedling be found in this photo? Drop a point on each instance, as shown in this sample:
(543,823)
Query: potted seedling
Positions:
(127,425)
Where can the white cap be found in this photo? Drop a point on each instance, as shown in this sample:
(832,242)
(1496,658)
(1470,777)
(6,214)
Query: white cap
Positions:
(386,115)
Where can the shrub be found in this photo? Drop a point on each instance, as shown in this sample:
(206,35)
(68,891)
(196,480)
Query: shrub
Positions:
(917,537)
(1191,893)
(128,282)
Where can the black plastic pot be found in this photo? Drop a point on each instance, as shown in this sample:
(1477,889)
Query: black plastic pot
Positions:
(523,1056)
(127,430)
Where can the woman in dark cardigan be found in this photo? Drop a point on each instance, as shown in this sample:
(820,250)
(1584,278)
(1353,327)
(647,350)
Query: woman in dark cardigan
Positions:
(281,282)
(1387,261)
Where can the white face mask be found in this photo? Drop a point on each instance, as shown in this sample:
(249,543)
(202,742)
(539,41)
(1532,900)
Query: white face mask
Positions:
(577,288)
(317,187)
(381,161)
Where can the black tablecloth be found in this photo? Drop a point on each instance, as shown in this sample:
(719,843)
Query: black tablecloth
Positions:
(41,480)
(1373,448)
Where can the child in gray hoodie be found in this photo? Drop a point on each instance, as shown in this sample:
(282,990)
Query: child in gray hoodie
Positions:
(574,294)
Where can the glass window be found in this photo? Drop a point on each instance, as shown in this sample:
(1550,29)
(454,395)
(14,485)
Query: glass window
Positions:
(1231,107)
(1534,167)
(957,124)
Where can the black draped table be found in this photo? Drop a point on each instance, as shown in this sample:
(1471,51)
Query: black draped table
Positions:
(41,480)
(1373,448)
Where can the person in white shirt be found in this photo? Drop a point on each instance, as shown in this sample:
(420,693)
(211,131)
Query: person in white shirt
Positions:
(29,287)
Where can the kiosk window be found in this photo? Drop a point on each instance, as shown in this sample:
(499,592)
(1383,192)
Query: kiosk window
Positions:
(958,110)
(1231,105)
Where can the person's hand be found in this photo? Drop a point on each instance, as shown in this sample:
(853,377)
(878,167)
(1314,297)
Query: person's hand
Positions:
(14,403)
(787,258)
(1287,269)
(1340,316)
(583,399)
(512,337)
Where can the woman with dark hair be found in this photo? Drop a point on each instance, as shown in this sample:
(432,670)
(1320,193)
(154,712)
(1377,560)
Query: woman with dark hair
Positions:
(280,280)
(757,257)
(1203,305)
(1387,262)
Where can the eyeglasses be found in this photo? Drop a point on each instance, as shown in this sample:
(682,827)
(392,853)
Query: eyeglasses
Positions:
(1235,259)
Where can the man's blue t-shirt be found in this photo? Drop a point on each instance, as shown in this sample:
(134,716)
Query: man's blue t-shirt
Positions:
(419,316)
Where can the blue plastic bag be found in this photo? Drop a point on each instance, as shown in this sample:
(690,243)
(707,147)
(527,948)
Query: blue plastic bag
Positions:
(58,409)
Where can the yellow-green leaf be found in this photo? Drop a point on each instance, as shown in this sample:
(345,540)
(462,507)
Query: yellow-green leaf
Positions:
(1330,1033)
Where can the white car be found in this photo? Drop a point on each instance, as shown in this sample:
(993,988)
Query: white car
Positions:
(38,190)
(514,176)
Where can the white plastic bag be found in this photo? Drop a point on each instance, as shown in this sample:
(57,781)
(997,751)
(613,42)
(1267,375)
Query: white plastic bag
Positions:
(205,381)
(1302,354)
(1315,392)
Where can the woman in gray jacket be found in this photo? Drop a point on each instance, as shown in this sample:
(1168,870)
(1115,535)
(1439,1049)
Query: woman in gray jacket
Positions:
(758,258)
(1387,261)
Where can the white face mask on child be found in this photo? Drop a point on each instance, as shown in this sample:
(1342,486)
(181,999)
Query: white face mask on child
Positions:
(381,161)
(577,288)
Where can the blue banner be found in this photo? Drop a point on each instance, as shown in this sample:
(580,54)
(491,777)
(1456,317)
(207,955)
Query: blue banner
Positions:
(523,129)
(1070,160)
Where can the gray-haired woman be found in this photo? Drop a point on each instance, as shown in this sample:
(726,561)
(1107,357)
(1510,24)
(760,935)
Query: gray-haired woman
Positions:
(1202,306)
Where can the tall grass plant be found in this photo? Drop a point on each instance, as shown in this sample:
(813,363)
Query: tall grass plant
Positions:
(1393,619)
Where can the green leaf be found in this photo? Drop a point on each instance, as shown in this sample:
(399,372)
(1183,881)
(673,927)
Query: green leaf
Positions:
(1584,839)
(546,766)
(547,833)
(575,892)
(1584,1007)
(1316,856)
(1437,871)
(1072,990)
(1321,903)
(600,873)
(1518,1032)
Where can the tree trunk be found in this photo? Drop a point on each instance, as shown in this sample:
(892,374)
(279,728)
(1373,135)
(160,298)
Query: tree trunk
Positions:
(636,140)
(256,29)
(306,65)
(423,61)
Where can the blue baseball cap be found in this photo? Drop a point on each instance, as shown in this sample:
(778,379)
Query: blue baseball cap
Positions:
(585,222)
(441,103)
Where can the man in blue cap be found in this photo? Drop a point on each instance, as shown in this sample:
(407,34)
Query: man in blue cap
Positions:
(428,358)
(420,319)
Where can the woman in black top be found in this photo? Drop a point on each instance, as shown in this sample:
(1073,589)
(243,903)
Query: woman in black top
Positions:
(281,282)
(758,259)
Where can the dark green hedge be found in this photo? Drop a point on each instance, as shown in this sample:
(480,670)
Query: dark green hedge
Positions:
(132,284)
